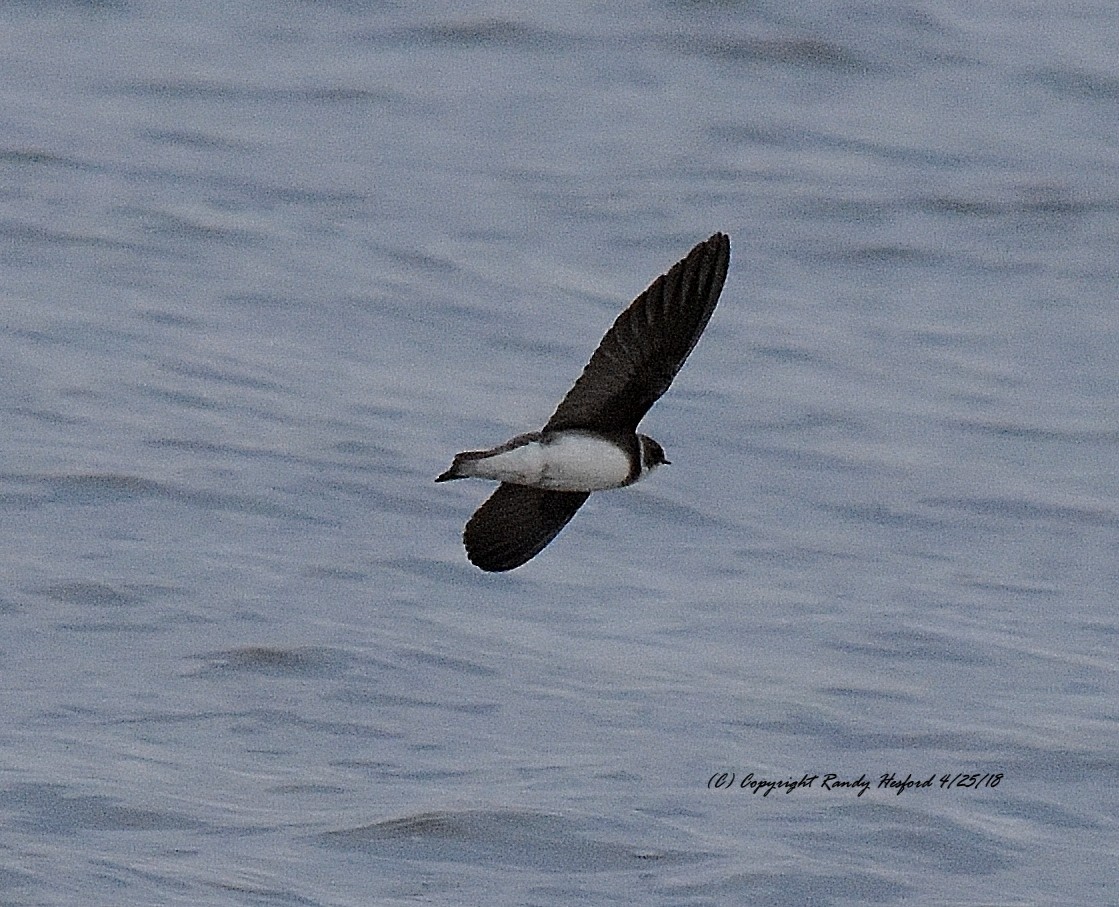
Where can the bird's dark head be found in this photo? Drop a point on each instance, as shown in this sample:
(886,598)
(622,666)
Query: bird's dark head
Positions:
(652,454)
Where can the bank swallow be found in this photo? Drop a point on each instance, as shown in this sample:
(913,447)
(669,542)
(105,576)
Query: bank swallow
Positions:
(591,442)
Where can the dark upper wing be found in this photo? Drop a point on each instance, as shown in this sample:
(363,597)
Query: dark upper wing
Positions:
(643,351)
(515,524)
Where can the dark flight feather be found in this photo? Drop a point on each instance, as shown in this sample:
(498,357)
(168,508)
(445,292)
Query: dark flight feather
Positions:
(515,524)
(647,344)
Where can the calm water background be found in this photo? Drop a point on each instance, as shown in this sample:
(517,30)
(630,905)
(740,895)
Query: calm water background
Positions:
(265,267)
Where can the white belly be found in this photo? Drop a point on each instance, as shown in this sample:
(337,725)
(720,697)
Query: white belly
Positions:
(570,461)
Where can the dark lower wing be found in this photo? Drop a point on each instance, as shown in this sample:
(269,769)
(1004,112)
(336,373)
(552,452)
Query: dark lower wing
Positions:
(515,524)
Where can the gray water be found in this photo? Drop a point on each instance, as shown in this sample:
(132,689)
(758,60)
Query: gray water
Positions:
(265,267)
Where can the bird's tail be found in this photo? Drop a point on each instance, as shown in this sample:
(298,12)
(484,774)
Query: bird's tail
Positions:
(452,473)
(460,468)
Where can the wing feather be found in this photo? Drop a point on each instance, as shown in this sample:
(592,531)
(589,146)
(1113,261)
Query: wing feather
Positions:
(515,524)
(647,344)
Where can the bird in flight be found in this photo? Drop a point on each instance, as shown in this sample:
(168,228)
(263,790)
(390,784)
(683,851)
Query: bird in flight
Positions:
(591,442)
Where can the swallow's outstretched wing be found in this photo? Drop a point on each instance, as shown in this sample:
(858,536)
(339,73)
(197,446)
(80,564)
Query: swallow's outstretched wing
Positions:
(645,348)
(515,524)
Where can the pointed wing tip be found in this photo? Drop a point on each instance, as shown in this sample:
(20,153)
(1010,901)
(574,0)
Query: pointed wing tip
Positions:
(716,252)
(493,566)
(719,243)
(515,524)
(484,555)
